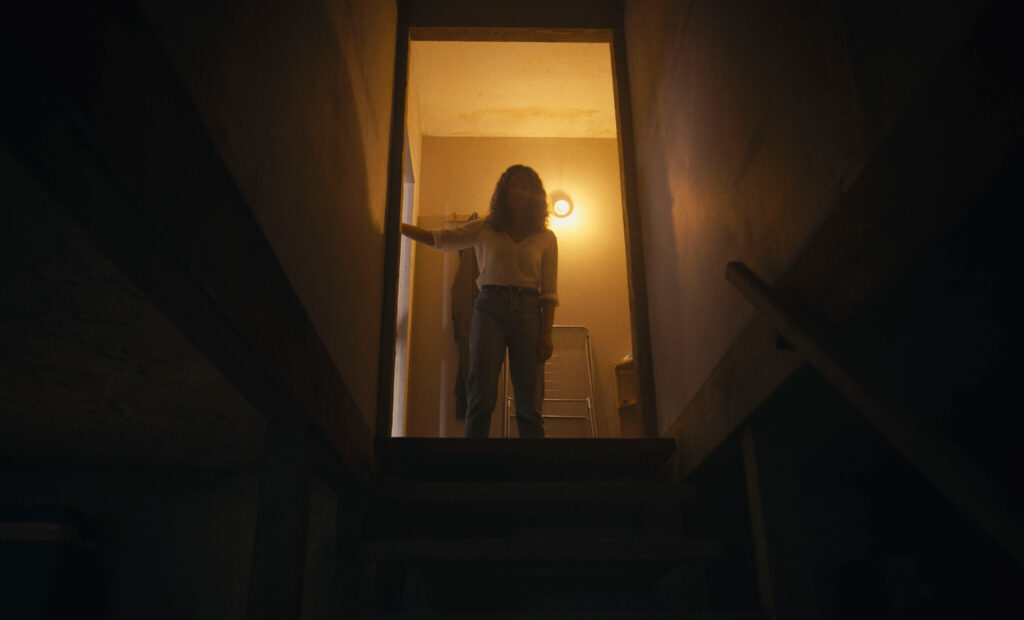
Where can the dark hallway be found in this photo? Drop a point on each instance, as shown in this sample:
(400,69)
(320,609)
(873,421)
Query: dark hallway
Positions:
(200,229)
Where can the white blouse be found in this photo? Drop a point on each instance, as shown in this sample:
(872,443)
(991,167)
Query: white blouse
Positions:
(531,263)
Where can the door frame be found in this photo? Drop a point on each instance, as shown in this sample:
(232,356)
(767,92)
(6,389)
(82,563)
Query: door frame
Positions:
(416,23)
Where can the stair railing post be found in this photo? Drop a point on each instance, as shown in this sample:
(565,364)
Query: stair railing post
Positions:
(282,521)
(785,579)
(917,438)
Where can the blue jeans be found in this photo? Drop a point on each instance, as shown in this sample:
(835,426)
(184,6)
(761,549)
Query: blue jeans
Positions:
(505,318)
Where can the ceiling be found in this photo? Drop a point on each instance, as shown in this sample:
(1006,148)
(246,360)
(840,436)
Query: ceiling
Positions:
(512,89)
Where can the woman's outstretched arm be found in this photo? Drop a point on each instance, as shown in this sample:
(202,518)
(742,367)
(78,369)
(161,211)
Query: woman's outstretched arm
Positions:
(418,234)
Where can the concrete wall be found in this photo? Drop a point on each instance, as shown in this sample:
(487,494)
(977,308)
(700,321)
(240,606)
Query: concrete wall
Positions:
(297,97)
(750,119)
(458,176)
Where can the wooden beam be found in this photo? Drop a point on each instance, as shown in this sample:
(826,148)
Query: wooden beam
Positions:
(524,14)
(547,35)
(784,577)
(751,370)
(929,449)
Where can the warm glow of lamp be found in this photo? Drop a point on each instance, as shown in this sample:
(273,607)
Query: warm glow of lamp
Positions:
(561,204)
(562,208)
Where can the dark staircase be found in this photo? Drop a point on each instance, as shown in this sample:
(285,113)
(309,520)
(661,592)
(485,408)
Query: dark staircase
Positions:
(533,528)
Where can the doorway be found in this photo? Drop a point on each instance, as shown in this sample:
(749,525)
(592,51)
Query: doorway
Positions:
(472,108)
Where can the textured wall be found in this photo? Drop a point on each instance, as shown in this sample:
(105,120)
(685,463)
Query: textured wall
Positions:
(750,119)
(91,372)
(297,98)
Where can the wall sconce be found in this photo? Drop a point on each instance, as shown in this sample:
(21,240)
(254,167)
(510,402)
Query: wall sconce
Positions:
(561,204)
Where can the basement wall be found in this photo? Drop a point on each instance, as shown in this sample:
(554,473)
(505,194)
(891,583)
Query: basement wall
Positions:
(297,98)
(750,120)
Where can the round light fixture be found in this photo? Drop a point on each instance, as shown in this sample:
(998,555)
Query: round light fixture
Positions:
(561,204)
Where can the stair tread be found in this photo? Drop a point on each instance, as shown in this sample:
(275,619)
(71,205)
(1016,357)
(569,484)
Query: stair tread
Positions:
(598,616)
(541,492)
(415,458)
(624,549)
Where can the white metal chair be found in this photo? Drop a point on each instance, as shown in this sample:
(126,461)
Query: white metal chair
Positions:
(568,408)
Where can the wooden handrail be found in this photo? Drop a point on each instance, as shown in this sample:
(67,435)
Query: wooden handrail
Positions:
(930,450)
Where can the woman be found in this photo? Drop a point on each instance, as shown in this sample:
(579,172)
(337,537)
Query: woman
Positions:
(518,259)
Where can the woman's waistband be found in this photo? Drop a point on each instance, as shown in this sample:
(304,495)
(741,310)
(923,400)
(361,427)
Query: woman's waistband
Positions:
(526,290)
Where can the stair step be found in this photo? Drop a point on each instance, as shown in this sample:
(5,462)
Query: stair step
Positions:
(695,615)
(411,458)
(478,509)
(627,550)
(531,492)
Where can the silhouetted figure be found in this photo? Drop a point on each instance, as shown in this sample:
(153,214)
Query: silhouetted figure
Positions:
(518,260)
(464,292)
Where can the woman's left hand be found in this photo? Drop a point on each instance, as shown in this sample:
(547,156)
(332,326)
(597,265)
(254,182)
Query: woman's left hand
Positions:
(545,347)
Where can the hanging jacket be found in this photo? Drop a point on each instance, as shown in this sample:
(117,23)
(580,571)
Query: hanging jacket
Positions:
(463,292)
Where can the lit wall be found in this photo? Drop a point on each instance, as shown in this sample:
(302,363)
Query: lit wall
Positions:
(458,175)
(297,98)
(750,121)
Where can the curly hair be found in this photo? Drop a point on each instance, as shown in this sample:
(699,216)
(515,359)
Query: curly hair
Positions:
(501,215)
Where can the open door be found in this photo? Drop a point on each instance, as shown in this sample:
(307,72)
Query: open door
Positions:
(465,95)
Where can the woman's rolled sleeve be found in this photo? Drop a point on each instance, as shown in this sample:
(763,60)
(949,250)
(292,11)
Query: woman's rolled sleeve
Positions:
(457,238)
(549,271)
